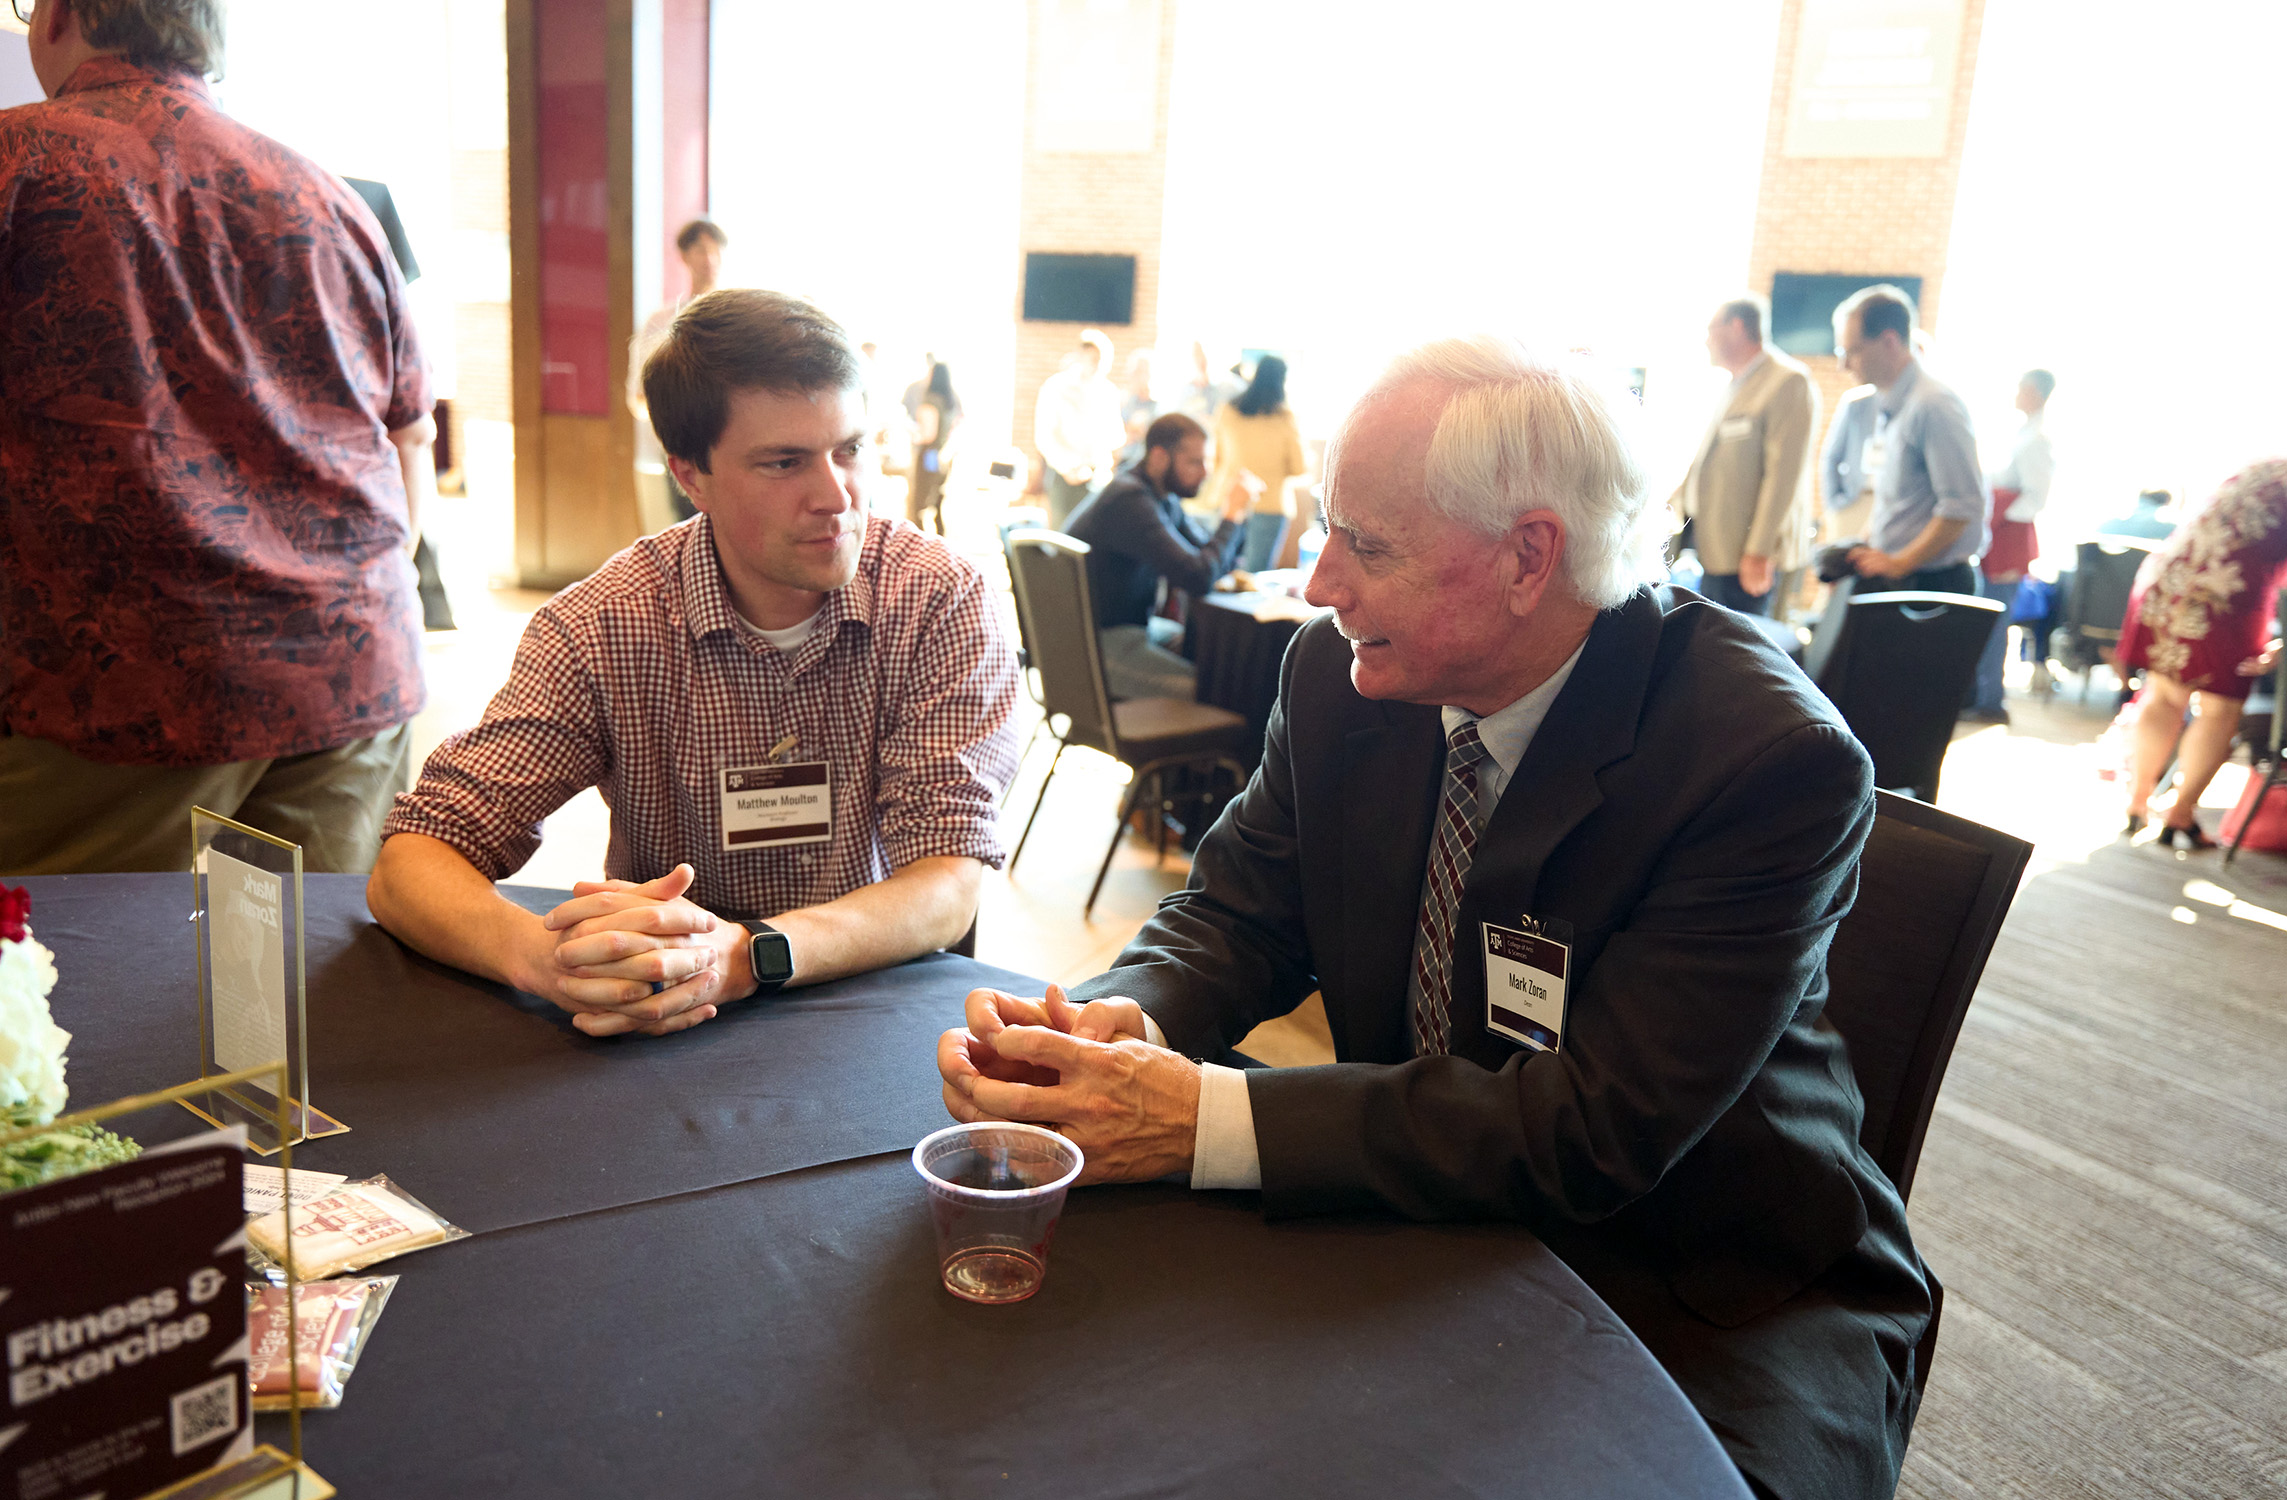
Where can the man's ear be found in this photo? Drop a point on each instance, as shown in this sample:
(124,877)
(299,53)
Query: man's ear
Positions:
(694,483)
(1533,555)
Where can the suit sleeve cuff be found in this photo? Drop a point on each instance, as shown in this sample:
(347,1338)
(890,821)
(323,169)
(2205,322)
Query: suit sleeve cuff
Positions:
(1223,1153)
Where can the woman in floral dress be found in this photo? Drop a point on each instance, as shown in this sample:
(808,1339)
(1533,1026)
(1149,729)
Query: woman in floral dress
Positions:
(2197,623)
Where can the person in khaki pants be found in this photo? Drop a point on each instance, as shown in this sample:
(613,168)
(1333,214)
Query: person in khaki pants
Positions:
(1747,494)
(214,450)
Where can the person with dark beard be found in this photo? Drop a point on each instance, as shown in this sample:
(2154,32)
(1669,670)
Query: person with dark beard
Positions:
(1138,535)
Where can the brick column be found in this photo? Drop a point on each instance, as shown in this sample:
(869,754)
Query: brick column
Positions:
(1094,178)
(1842,215)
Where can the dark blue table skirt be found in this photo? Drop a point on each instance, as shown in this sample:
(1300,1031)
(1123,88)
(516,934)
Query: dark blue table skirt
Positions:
(702,1264)
(489,1105)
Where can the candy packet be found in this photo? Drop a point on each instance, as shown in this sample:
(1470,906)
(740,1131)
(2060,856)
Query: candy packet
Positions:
(354,1226)
(331,1321)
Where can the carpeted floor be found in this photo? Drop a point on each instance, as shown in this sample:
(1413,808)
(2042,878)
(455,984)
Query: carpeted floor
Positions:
(2104,1192)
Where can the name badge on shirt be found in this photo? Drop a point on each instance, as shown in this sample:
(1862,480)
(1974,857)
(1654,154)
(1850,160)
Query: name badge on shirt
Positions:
(771,807)
(1735,428)
(1525,970)
(1871,455)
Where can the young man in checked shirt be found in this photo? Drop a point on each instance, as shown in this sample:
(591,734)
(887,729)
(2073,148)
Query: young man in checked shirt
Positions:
(781,650)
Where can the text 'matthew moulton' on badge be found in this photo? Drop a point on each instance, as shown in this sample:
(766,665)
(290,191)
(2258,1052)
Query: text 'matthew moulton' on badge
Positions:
(769,807)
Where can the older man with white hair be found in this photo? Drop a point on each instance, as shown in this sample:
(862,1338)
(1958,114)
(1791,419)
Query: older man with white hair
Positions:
(1562,851)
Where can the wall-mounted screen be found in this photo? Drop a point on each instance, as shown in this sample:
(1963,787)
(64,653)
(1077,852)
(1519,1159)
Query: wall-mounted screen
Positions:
(1802,307)
(1079,288)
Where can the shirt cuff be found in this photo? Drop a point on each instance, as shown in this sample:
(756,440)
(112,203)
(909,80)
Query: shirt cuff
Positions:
(1223,1153)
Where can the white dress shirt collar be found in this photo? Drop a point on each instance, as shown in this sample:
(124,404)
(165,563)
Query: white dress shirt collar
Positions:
(1508,732)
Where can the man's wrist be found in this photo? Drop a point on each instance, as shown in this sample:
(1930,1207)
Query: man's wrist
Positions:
(735,959)
(765,957)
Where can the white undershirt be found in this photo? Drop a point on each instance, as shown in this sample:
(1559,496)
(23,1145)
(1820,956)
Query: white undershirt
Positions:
(787,641)
(1223,1150)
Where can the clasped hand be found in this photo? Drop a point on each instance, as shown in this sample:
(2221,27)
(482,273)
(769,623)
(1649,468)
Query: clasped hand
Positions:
(1873,562)
(629,957)
(1084,1071)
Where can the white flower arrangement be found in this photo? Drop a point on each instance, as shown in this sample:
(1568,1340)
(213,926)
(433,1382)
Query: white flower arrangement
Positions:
(31,1043)
(32,1091)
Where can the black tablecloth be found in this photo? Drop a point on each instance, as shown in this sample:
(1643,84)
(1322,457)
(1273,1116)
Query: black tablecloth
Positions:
(702,1264)
(1238,652)
(489,1105)
(789,1337)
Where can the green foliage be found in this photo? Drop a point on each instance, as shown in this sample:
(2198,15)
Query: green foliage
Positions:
(56,1154)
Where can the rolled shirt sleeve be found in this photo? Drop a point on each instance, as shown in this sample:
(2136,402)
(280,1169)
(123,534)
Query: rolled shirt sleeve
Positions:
(1949,451)
(951,751)
(487,790)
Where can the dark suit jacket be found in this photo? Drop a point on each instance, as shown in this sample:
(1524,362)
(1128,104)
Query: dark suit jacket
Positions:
(1695,809)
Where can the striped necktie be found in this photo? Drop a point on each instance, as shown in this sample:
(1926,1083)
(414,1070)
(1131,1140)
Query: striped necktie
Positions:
(1449,855)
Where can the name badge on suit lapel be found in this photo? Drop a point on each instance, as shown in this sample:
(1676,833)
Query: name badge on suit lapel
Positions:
(1735,428)
(1526,967)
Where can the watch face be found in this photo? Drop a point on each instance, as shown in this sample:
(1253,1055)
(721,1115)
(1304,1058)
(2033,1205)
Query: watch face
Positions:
(773,957)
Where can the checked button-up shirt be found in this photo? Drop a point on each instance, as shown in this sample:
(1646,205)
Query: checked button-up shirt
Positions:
(642,681)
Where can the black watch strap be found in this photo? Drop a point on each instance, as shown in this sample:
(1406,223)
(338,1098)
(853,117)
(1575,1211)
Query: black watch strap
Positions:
(771,955)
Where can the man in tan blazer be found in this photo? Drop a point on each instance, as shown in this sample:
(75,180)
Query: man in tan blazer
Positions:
(1748,492)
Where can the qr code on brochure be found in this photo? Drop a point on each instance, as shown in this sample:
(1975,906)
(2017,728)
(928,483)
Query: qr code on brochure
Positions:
(206,1412)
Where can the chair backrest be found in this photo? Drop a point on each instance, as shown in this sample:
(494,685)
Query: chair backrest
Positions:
(1932,890)
(2104,573)
(1049,571)
(2261,720)
(2279,680)
(1898,666)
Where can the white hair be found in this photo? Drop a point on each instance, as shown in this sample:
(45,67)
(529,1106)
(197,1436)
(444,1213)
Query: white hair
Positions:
(1519,434)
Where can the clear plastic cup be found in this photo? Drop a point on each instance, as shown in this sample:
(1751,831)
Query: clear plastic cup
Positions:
(995,1192)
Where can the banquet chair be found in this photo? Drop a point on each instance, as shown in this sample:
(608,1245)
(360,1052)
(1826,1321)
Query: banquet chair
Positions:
(1898,665)
(1932,891)
(2104,574)
(1150,736)
(2278,772)
(1024,673)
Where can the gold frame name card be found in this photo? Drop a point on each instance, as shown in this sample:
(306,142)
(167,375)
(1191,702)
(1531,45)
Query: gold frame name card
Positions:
(246,908)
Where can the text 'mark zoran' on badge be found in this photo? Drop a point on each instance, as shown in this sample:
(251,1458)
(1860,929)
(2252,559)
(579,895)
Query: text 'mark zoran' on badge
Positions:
(771,807)
(1524,986)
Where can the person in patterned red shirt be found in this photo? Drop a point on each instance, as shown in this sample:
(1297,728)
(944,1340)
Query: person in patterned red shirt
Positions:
(798,714)
(215,438)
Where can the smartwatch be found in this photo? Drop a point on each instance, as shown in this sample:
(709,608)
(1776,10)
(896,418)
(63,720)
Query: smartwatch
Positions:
(772,956)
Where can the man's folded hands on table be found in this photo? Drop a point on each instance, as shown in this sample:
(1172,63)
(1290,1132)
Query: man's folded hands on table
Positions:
(629,957)
(1084,1071)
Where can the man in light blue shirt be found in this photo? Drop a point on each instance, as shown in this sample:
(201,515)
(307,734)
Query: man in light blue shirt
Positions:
(1930,499)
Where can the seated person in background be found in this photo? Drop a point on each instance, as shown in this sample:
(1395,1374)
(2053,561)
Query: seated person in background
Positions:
(796,712)
(2145,519)
(1563,853)
(1138,534)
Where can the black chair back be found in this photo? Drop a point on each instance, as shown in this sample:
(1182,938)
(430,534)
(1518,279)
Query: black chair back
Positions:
(1898,666)
(2104,574)
(1932,890)
(1049,572)
(2266,701)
